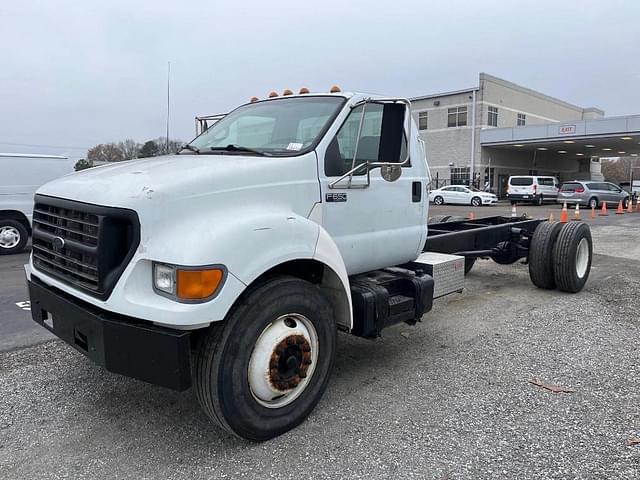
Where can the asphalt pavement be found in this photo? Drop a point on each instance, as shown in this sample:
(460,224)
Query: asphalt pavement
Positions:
(450,398)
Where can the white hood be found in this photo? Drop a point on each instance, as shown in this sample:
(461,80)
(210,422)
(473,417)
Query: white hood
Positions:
(174,177)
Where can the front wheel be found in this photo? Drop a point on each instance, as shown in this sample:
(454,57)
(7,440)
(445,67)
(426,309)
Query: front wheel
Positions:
(476,201)
(438,200)
(625,203)
(540,200)
(263,370)
(13,237)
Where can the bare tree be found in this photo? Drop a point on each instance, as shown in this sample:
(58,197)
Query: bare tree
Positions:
(105,152)
(129,149)
(167,148)
(619,169)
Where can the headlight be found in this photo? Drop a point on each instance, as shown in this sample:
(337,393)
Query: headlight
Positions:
(164,278)
(188,284)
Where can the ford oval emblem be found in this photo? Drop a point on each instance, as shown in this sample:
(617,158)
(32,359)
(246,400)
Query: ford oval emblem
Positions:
(58,243)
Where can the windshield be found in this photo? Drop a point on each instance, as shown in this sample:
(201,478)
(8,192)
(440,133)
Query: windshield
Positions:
(286,126)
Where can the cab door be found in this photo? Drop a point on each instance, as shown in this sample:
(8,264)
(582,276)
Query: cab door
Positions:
(375,223)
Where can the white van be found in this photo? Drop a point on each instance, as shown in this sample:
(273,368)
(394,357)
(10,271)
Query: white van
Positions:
(532,188)
(20,176)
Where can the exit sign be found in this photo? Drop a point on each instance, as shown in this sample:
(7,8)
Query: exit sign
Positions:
(565,129)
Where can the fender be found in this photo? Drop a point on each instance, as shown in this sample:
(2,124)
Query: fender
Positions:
(336,285)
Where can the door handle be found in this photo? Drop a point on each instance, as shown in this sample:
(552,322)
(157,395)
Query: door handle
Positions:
(416,192)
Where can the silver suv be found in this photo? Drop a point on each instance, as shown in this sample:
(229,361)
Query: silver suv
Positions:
(592,194)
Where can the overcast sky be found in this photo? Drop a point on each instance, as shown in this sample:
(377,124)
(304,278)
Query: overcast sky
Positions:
(77,73)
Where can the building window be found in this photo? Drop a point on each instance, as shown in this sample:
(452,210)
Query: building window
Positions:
(493,117)
(522,120)
(457,117)
(460,176)
(423,120)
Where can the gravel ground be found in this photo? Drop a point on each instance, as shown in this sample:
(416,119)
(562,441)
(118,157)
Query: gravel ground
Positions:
(448,399)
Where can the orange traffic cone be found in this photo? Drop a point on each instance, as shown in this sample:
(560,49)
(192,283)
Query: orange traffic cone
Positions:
(620,210)
(564,214)
(630,205)
(551,218)
(604,212)
(472,216)
(576,213)
(593,212)
(514,212)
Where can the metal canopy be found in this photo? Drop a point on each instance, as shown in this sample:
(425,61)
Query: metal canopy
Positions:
(606,137)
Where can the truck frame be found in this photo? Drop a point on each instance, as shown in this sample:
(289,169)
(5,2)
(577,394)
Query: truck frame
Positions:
(297,217)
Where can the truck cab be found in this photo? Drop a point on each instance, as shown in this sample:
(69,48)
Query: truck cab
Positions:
(280,203)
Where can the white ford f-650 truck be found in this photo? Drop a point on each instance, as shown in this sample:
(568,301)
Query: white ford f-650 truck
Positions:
(231,265)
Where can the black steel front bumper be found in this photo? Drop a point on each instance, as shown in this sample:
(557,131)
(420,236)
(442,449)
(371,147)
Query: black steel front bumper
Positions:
(123,345)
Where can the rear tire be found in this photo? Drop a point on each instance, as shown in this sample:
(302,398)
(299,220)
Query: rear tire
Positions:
(541,255)
(13,236)
(245,348)
(572,257)
(593,203)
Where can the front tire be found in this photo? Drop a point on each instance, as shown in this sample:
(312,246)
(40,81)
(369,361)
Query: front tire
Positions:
(262,371)
(438,200)
(540,200)
(476,201)
(13,237)
(625,203)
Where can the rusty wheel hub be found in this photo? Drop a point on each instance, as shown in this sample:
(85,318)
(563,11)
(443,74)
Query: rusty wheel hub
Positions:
(289,362)
(283,360)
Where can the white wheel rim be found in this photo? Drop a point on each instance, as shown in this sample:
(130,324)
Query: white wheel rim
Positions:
(9,237)
(278,368)
(582,258)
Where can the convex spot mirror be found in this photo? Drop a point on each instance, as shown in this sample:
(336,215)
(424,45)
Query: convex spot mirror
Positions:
(390,173)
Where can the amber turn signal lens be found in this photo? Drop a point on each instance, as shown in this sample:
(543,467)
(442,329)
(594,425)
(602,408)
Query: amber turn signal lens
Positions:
(198,284)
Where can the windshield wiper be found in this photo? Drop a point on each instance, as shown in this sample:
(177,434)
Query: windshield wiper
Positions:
(186,146)
(232,147)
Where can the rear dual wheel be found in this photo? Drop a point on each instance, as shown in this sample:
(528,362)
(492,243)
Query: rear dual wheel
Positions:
(261,372)
(560,256)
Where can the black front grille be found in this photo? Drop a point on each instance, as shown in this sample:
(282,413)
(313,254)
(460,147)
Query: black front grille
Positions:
(87,246)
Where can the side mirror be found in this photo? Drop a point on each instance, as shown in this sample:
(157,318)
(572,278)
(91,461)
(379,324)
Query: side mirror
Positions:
(391,173)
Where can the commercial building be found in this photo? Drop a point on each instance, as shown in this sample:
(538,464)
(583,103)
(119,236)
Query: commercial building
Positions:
(486,133)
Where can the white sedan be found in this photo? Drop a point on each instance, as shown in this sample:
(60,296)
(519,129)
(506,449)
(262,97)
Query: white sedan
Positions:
(461,194)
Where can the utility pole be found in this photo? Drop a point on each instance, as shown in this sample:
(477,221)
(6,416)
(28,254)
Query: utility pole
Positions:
(473,138)
(168,101)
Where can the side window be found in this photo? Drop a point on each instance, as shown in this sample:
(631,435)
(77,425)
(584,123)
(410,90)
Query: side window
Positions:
(339,157)
(372,143)
(547,182)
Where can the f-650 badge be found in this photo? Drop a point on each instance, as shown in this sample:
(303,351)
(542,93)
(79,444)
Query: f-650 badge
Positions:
(336,197)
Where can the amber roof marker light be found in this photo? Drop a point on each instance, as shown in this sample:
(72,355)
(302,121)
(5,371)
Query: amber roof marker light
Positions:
(335,89)
(304,90)
(254,99)
(287,91)
(273,94)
